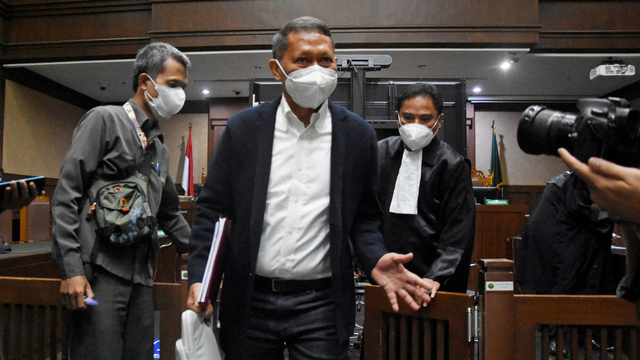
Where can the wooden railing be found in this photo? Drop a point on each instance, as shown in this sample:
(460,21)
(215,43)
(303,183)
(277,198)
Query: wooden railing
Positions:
(438,331)
(33,319)
(512,326)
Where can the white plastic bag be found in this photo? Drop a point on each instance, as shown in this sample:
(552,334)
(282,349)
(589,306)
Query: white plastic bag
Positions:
(198,341)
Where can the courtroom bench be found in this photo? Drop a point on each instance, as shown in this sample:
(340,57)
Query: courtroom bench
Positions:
(30,285)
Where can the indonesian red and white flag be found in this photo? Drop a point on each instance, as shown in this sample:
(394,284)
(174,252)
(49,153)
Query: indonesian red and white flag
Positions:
(187,173)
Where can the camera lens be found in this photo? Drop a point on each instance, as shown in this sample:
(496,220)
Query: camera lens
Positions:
(543,131)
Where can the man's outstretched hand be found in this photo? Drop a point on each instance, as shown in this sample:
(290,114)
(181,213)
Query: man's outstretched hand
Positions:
(397,281)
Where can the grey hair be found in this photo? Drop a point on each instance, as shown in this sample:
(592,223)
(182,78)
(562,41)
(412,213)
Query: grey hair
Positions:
(280,43)
(151,60)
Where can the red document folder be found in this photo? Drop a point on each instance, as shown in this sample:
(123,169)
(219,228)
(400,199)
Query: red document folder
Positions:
(215,266)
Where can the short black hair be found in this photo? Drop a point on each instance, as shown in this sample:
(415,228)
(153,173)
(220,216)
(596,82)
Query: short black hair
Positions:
(421,89)
(151,60)
(280,42)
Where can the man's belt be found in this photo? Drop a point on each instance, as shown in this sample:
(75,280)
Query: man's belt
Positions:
(266,284)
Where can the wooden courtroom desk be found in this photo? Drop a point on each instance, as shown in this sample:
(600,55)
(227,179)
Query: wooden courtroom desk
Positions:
(495,224)
(188,210)
(33,260)
(29,260)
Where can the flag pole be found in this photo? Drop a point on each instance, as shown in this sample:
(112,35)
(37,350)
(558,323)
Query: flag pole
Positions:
(187,173)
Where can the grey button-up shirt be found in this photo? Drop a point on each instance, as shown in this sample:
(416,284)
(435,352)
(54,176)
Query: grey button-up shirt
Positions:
(105,144)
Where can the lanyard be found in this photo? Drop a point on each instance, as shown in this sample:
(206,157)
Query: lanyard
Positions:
(141,136)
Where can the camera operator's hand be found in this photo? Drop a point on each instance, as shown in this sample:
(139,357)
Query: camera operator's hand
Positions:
(613,188)
(16,199)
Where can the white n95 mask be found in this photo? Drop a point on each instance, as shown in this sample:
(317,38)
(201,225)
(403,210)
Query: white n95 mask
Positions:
(310,87)
(416,136)
(168,102)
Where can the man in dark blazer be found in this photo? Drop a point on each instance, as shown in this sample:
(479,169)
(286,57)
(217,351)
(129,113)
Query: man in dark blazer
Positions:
(297,177)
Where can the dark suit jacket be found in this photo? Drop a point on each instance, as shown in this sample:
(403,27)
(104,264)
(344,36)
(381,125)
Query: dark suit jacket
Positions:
(236,186)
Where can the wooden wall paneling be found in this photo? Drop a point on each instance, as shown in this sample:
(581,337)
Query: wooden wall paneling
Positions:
(610,26)
(2,96)
(522,194)
(74,50)
(221,109)
(75,29)
(95,29)
(251,24)
(495,224)
(215,132)
(188,208)
(224,108)
(79,20)
(4,23)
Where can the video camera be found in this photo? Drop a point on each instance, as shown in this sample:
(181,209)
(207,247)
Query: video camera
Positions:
(604,128)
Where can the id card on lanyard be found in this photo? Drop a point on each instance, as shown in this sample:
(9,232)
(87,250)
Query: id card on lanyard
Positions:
(141,136)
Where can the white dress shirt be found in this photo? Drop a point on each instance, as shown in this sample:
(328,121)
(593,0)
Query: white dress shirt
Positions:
(295,234)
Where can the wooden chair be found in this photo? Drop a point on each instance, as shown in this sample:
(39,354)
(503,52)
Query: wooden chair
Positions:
(438,331)
(607,321)
(518,326)
(33,324)
(32,319)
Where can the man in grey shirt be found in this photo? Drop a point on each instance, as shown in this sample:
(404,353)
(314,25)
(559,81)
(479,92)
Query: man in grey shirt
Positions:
(109,143)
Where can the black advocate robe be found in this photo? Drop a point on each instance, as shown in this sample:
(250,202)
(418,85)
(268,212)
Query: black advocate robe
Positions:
(441,235)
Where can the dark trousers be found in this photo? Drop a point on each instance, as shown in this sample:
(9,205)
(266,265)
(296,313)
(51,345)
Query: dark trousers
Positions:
(121,325)
(303,323)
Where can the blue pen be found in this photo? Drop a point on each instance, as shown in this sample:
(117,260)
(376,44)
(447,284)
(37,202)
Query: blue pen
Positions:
(158,168)
(90,302)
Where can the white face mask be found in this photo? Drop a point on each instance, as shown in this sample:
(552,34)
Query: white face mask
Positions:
(168,102)
(310,87)
(416,136)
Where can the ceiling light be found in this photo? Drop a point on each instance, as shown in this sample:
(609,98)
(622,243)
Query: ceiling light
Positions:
(477,89)
(205,91)
(505,65)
